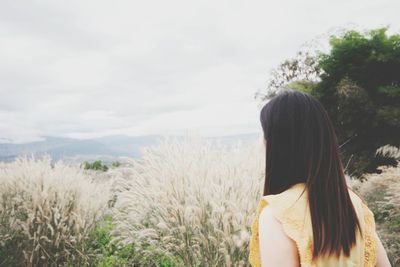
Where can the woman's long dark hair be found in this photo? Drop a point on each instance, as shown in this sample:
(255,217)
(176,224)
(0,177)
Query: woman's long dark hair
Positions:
(301,146)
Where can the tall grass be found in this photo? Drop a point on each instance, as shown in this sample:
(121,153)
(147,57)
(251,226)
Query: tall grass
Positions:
(183,203)
(47,212)
(382,193)
(196,201)
(190,199)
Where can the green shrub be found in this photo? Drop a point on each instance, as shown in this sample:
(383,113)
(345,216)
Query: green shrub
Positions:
(96,165)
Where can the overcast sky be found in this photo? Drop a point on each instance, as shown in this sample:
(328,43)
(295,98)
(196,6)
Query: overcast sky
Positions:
(91,68)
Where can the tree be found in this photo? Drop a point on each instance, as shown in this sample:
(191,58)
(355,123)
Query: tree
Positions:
(360,88)
(301,72)
(96,165)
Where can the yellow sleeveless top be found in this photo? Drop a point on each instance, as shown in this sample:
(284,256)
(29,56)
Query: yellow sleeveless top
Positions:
(294,215)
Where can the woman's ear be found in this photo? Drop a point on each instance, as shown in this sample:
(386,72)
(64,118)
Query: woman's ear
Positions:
(263,143)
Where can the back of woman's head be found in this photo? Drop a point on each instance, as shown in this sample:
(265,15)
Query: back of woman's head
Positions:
(301,146)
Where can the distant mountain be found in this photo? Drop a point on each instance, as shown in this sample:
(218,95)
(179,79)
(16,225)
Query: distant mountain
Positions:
(108,147)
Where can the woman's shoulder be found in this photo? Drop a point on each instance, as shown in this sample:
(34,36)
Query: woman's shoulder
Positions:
(291,199)
(279,211)
(274,242)
(286,211)
(290,208)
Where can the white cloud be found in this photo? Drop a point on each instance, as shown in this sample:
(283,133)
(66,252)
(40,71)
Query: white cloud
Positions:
(91,68)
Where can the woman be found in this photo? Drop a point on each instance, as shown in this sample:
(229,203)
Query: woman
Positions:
(308,216)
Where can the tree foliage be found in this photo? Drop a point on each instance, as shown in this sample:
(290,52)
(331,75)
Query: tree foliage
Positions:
(96,165)
(360,88)
(302,71)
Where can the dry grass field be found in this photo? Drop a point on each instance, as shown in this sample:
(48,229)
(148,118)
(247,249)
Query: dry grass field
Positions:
(186,203)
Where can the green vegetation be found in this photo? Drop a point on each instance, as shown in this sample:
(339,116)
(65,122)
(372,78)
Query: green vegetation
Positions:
(115,164)
(109,254)
(98,165)
(358,82)
(381,192)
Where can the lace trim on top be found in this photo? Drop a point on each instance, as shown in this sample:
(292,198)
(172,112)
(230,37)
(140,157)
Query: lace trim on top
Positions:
(371,244)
